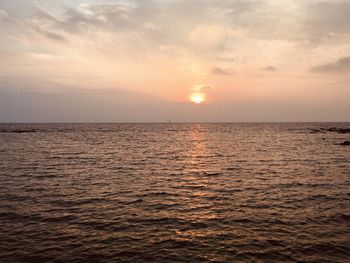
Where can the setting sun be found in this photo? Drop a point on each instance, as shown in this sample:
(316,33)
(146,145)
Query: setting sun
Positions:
(197,97)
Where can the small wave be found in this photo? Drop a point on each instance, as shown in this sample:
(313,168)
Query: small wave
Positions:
(243,221)
(111,226)
(269,256)
(162,220)
(174,243)
(14,197)
(17,217)
(338,218)
(157,194)
(257,206)
(136,201)
(208,174)
(325,249)
(192,187)
(73,203)
(322,198)
(234,168)
(161,206)
(59,219)
(228,191)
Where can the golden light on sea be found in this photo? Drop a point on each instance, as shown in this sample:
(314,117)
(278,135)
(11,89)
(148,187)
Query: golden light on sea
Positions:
(197,97)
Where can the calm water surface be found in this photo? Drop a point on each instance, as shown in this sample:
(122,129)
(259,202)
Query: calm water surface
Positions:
(174,193)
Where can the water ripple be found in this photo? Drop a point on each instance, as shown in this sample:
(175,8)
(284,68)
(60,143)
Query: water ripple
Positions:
(174,193)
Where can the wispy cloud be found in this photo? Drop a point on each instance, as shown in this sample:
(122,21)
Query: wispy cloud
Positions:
(220,71)
(203,87)
(269,68)
(341,65)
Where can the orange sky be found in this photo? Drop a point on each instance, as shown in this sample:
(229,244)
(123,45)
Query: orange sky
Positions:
(285,54)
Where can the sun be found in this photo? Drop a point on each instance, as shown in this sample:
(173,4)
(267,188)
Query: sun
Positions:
(197,97)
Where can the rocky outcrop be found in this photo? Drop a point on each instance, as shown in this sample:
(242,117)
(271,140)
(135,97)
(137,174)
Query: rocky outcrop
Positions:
(333,129)
(345,143)
(17,131)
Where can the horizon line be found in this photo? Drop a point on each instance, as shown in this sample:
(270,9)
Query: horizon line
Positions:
(175,122)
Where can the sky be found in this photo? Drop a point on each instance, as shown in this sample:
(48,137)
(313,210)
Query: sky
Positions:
(141,60)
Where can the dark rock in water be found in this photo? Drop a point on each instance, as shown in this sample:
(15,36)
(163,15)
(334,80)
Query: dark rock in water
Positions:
(18,131)
(339,130)
(343,131)
(332,129)
(346,143)
(317,131)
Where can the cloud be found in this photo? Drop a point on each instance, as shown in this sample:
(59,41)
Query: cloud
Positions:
(224,58)
(326,19)
(341,65)
(220,71)
(210,26)
(203,87)
(51,35)
(100,38)
(3,14)
(208,37)
(269,68)
(182,23)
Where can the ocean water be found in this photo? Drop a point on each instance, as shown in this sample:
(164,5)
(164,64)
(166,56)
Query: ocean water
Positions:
(174,193)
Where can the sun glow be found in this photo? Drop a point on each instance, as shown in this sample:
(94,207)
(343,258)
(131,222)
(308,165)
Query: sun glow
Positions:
(197,97)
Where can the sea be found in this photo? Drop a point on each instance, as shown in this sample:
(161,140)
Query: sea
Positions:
(174,192)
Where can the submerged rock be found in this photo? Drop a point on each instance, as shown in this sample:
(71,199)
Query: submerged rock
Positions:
(345,143)
(343,131)
(17,131)
(333,129)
